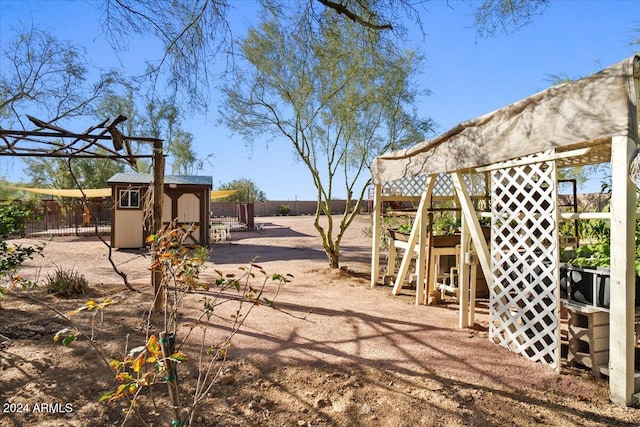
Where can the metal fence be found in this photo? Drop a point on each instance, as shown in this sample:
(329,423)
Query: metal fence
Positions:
(232,215)
(68,217)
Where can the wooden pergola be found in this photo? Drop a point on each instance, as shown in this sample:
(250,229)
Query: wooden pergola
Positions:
(515,152)
(101,141)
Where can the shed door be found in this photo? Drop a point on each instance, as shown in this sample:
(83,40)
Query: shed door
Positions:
(524,299)
(189,213)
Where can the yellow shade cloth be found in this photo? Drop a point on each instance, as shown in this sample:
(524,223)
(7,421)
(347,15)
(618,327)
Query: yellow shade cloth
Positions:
(67,192)
(99,192)
(219,194)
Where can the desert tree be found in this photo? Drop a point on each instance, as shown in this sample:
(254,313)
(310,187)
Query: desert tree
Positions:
(39,73)
(184,159)
(247,191)
(338,95)
(57,173)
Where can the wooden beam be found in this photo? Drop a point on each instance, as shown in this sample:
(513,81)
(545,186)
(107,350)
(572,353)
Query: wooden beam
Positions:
(375,235)
(418,224)
(475,230)
(158,197)
(531,159)
(463,276)
(392,198)
(423,252)
(622,308)
(585,215)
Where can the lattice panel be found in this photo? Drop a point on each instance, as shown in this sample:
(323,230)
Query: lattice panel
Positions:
(406,186)
(414,186)
(524,297)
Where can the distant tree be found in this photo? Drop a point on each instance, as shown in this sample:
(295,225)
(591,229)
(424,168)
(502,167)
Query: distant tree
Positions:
(248,191)
(55,172)
(156,118)
(339,95)
(185,160)
(7,193)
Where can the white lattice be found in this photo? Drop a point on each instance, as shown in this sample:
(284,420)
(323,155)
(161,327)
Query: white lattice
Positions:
(524,296)
(406,186)
(414,186)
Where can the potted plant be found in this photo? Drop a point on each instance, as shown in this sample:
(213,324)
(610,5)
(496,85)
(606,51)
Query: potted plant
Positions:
(401,232)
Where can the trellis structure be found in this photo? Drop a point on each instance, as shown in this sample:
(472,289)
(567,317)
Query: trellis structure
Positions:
(103,140)
(519,147)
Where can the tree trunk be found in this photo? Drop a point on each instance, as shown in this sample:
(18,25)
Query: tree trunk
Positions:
(334,258)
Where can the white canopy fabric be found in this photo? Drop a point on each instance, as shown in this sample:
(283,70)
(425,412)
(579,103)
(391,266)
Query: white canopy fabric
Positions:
(594,108)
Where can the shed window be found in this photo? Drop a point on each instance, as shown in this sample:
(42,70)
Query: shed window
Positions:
(129,199)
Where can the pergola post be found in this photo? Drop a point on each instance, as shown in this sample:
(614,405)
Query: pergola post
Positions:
(158,197)
(417,234)
(473,224)
(375,234)
(622,307)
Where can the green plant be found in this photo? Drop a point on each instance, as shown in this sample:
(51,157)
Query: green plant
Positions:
(592,255)
(14,214)
(405,228)
(66,282)
(12,256)
(390,223)
(445,223)
(284,209)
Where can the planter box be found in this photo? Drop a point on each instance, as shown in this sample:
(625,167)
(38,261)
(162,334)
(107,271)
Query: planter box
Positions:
(396,235)
(589,286)
(441,241)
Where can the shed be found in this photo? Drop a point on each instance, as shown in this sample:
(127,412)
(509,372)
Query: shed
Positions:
(186,201)
(512,155)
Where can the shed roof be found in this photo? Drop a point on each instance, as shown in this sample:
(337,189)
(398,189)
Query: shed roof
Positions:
(587,111)
(145,178)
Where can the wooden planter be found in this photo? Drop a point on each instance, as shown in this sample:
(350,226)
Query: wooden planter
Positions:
(396,235)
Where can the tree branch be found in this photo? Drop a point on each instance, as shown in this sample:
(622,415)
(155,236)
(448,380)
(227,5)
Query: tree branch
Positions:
(343,10)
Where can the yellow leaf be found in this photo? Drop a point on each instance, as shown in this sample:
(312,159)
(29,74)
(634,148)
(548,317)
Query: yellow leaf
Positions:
(178,357)
(154,346)
(119,391)
(138,363)
(123,376)
(115,364)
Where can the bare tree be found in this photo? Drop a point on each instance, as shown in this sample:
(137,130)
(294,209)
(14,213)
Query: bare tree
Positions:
(42,73)
(338,94)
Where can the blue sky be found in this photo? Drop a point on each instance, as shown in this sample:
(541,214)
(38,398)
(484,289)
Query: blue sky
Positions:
(466,75)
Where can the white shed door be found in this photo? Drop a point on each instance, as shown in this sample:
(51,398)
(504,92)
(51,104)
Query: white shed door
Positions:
(189,212)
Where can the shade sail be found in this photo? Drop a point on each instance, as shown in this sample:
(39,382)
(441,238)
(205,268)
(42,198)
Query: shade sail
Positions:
(67,192)
(220,194)
(98,192)
(590,109)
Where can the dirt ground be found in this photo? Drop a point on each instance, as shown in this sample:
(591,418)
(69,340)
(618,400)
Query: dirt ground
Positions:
(334,353)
